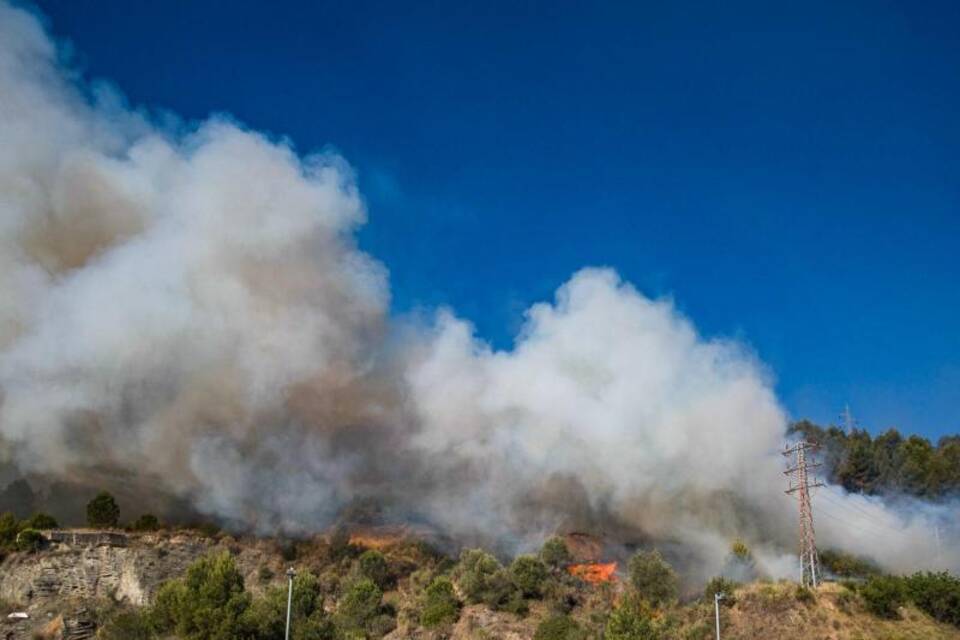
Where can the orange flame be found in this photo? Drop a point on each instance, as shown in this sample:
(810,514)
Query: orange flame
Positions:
(594,572)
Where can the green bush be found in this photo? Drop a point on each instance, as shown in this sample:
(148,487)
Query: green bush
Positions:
(555,553)
(9,528)
(558,627)
(371,564)
(631,621)
(266,618)
(721,585)
(208,603)
(102,511)
(440,604)
(482,579)
(359,607)
(30,540)
(528,574)
(146,522)
(41,521)
(883,596)
(473,573)
(127,625)
(561,593)
(653,578)
(937,594)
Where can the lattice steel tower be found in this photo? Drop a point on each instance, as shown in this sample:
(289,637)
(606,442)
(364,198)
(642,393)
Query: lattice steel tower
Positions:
(800,483)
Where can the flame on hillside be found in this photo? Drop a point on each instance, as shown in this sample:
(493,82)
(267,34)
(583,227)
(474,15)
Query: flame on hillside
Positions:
(377,541)
(594,572)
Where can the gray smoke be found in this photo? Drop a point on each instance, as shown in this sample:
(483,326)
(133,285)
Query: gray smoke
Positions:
(185,305)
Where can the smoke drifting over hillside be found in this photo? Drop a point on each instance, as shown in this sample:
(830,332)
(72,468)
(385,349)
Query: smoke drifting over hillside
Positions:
(188,305)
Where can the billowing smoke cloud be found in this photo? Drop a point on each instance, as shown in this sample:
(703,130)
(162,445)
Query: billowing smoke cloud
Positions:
(186,306)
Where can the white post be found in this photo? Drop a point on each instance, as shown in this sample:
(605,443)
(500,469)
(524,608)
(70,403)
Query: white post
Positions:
(290,574)
(717,597)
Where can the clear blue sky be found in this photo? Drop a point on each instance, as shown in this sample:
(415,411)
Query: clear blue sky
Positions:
(788,171)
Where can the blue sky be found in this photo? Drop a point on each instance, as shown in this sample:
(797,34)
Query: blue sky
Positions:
(788,172)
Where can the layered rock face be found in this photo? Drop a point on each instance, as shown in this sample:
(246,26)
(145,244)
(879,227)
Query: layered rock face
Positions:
(97,565)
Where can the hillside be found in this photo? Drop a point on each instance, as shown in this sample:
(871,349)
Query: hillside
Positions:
(772,610)
(80,583)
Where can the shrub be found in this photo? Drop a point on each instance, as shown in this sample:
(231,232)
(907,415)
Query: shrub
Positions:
(630,621)
(146,522)
(555,553)
(846,565)
(883,596)
(721,585)
(359,607)
(512,602)
(208,603)
(804,595)
(473,573)
(482,579)
(209,529)
(41,521)
(528,574)
(266,618)
(127,625)
(102,511)
(339,544)
(653,578)
(740,563)
(29,540)
(937,594)
(440,604)
(264,573)
(558,627)
(9,528)
(561,593)
(371,564)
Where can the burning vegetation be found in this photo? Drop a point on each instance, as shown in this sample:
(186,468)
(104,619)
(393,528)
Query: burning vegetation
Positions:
(594,572)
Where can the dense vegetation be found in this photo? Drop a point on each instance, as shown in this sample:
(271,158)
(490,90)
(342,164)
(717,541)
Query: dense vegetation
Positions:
(936,594)
(888,463)
(23,535)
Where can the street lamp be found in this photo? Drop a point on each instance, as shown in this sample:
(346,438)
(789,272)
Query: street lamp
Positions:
(717,597)
(290,574)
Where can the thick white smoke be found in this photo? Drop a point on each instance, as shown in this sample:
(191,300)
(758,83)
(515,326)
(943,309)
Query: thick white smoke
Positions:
(190,306)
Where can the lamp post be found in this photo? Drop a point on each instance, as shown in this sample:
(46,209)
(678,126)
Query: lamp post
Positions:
(717,597)
(290,574)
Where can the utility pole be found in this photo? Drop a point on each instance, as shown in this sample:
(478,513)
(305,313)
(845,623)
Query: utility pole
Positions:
(290,574)
(801,483)
(717,597)
(936,530)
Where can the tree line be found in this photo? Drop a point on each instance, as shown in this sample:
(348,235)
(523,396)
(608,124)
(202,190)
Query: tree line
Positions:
(889,463)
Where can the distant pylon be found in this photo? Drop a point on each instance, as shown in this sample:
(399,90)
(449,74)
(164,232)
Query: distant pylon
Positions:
(849,422)
(800,483)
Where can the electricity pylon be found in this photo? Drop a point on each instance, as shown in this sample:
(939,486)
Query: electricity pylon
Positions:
(849,422)
(800,483)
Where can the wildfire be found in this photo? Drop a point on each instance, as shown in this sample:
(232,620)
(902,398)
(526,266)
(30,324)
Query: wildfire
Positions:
(594,572)
(375,541)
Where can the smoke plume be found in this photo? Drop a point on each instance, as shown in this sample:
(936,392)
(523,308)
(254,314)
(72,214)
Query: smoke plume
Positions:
(184,310)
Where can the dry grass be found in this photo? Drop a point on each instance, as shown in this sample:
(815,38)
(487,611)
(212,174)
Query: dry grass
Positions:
(773,610)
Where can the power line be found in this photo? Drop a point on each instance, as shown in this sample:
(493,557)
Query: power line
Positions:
(863,512)
(859,526)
